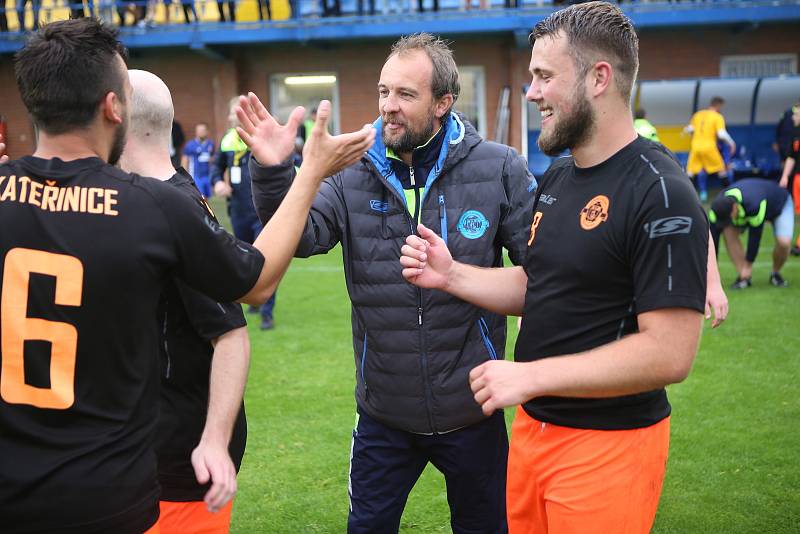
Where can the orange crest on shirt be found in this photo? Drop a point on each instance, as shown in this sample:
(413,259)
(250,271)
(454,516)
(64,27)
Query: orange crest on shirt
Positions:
(595,212)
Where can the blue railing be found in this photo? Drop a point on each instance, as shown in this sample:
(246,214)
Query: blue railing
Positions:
(197,23)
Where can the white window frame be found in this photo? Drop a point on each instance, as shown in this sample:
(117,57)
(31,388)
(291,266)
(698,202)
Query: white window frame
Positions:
(480,95)
(279,77)
(731,63)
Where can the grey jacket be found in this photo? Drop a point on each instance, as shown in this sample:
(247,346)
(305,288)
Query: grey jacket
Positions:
(414,347)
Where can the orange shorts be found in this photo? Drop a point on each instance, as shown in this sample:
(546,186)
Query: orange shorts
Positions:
(193,518)
(568,480)
(796,192)
(155,529)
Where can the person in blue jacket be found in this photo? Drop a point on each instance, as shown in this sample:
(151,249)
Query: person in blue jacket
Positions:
(197,154)
(747,205)
(413,348)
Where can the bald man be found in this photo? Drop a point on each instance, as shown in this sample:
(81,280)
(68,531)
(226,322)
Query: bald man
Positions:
(204,350)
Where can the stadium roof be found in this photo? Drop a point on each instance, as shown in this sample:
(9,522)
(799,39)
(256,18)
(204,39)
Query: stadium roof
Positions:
(516,21)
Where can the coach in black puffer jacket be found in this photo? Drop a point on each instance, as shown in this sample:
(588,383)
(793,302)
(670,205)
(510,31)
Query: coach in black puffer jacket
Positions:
(414,347)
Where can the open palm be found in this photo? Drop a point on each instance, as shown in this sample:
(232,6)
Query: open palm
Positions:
(270,142)
(325,154)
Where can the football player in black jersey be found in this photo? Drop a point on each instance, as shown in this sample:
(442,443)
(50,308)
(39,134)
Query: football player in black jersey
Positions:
(612,292)
(198,335)
(86,253)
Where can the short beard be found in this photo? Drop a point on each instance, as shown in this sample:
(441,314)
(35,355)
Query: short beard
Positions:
(571,130)
(118,143)
(410,139)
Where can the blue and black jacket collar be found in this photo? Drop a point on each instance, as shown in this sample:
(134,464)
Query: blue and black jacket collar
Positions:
(453,136)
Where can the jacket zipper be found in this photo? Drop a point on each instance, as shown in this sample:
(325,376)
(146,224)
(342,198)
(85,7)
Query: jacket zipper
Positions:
(424,355)
(487,341)
(420,323)
(443,218)
(417,207)
(420,319)
(363,365)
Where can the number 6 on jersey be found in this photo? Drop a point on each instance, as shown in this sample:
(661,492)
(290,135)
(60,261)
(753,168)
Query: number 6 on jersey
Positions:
(17,328)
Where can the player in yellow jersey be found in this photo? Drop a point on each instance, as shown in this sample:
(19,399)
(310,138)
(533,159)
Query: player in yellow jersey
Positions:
(706,126)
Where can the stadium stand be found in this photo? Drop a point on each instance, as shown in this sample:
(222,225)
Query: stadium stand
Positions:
(209,61)
(167,18)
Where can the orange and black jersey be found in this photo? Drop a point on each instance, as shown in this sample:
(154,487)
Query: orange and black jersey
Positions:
(86,251)
(794,151)
(188,321)
(609,242)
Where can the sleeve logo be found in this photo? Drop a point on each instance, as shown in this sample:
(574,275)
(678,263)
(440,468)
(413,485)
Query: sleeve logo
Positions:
(668,226)
(473,224)
(377,205)
(595,212)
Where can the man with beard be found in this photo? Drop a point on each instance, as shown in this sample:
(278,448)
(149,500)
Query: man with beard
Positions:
(87,253)
(413,348)
(205,350)
(611,293)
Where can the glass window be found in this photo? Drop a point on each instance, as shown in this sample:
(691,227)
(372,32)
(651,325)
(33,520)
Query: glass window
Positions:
(757,66)
(472,100)
(305,89)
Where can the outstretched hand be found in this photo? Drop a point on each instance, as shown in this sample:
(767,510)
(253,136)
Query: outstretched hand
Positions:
(3,158)
(426,260)
(325,154)
(270,142)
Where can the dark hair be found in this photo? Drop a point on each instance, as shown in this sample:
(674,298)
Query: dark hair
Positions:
(66,69)
(721,210)
(444,79)
(639,114)
(717,101)
(596,31)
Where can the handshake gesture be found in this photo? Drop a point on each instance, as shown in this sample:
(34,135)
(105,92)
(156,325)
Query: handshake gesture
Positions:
(272,143)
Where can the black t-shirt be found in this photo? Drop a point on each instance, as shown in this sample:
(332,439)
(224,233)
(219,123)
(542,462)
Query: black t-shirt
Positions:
(189,320)
(794,151)
(609,242)
(86,252)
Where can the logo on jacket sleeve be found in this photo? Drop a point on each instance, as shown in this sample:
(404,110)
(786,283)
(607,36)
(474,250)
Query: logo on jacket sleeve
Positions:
(595,212)
(377,205)
(473,224)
